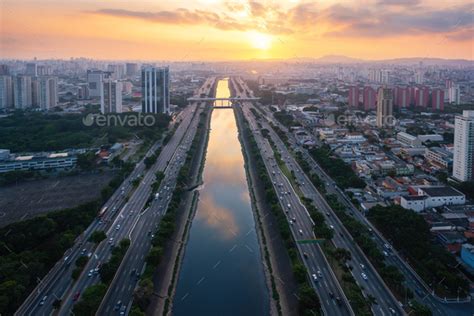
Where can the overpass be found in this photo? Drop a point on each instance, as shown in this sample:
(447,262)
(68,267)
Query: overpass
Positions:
(222,100)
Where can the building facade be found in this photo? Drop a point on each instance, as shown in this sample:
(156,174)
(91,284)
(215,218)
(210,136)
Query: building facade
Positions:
(155,90)
(463,163)
(6,92)
(111,100)
(384,107)
(22,92)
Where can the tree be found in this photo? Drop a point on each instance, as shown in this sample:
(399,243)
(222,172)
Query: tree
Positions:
(90,300)
(97,236)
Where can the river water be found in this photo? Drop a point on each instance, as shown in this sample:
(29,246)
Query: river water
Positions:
(221,272)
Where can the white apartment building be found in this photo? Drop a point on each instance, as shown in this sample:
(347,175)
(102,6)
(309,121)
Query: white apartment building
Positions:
(463,161)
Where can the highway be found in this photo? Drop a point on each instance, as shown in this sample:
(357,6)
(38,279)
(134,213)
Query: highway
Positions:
(121,289)
(332,298)
(58,284)
(361,269)
(412,281)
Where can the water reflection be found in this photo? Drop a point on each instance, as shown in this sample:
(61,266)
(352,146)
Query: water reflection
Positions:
(221,272)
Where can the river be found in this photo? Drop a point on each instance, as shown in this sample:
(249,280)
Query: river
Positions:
(221,272)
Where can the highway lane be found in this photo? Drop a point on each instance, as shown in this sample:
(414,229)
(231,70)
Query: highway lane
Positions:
(362,271)
(128,215)
(411,279)
(51,285)
(122,287)
(326,286)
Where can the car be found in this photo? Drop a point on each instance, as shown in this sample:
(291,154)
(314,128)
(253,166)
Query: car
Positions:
(331,226)
(385,253)
(123,309)
(338,300)
(294,219)
(43,300)
(331,294)
(289,206)
(111,240)
(327,213)
(387,246)
(315,277)
(117,306)
(362,266)
(340,234)
(117,227)
(364,276)
(76,296)
(392,310)
(291,222)
(301,232)
(91,272)
(305,254)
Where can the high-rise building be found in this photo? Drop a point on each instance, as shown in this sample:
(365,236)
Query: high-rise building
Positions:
(111,100)
(48,93)
(384,107)
(6,92)
(155,90)
(369,98)
(419,76)
(131,69)
(454,94)
(4,70)
(384,76)
(22,94)
(463,162)
(44,70)
(412,94)
(31,69)
(422,96)
(83,91)
(94,79)
(403,98)
(353,101)
(117,71)
(437,99)
(35,91)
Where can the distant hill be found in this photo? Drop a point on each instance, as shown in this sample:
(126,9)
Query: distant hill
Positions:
(341,59)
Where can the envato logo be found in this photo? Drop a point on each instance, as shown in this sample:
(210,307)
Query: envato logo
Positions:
(345,120)
(135,120)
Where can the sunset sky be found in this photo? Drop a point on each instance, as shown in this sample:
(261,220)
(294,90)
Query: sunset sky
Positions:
(236,29)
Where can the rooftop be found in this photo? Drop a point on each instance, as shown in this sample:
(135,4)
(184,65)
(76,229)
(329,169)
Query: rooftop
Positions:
(441,191)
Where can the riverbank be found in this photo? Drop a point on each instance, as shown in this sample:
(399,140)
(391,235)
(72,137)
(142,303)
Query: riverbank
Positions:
(276,262)
(165,276)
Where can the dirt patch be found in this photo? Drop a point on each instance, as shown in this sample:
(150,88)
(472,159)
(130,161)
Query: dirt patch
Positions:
(29,199)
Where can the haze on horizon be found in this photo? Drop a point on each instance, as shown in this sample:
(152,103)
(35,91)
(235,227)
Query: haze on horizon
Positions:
(188,30)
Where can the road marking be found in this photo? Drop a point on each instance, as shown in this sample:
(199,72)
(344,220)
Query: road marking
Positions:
(199,282)
(218,263)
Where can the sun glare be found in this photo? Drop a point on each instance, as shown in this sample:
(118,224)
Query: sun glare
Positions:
(260,41)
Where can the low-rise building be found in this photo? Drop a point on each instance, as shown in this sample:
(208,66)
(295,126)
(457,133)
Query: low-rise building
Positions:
(467,254)
(39,162)
(429,197)
(408,139)
(439,157)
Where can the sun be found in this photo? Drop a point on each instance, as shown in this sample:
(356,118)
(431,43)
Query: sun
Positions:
(260,41)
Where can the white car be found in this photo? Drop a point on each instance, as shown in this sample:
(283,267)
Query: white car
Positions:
(301,232)
(362,266)
(315,277)
(364,276)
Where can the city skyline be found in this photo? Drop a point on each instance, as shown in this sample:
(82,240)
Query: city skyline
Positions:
(236,30)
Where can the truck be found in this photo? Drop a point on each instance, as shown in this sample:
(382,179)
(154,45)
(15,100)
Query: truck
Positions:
(102,212)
